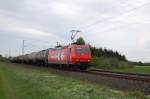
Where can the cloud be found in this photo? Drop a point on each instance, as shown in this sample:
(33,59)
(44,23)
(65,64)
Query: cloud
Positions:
(65,10)
(51,21)
(11,25)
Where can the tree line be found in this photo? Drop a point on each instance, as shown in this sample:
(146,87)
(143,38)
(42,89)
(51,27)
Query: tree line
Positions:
(3,58)
(139,63)
(102,52)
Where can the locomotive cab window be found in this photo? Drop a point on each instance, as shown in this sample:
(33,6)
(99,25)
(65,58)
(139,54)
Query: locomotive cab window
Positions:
(83,50)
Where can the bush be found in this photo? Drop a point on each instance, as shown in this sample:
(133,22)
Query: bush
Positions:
(108,63)
(3,59)
(124,65)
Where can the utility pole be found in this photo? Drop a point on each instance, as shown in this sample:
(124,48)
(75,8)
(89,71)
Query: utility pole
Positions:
(23,46)
(74,33)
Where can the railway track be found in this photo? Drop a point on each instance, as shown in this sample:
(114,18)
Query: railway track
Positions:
(118,80)
(121,75)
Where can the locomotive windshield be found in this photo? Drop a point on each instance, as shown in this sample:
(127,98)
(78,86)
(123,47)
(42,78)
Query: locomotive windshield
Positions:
(83,50)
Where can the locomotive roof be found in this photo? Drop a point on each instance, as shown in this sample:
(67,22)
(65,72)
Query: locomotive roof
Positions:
(71,45)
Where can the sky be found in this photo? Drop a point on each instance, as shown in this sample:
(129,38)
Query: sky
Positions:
(122,25)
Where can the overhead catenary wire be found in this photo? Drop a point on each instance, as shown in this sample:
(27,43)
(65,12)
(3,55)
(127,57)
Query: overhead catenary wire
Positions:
(112,17)
(29,45)
(35,46)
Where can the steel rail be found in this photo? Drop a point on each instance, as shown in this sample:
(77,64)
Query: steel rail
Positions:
(121,75)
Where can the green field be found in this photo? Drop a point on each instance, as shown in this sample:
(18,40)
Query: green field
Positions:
(136,69)
(20,82)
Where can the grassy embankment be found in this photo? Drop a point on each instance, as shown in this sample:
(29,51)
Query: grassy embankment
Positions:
(108,63)
(136,69)
(117,65)
(18,82)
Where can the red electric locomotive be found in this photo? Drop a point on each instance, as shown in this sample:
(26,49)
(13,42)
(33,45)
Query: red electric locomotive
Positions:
(77,56)
(73,55)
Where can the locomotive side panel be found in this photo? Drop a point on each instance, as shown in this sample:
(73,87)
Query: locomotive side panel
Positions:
(58,56)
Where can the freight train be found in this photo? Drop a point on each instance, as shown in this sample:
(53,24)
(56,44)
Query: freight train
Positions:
(71,56)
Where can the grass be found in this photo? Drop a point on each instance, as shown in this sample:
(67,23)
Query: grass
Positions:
(108,63)
(19,82)
(117,65)
(136,69)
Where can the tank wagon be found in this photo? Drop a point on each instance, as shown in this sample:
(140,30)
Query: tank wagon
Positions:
(71,56)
